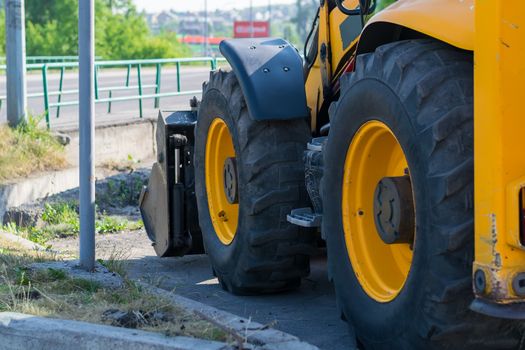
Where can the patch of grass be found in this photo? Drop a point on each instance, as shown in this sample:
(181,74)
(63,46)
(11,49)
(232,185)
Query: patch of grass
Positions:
(61,213)
(110,224)
(116,262)
(53,293)
(28,148)
(121,193)
(61,220)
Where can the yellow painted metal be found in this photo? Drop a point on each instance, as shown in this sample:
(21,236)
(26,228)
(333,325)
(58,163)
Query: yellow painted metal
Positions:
(314,94)
(451,21)
(219,147)
(499,145)
(337,49)
(324,42)
(382,269)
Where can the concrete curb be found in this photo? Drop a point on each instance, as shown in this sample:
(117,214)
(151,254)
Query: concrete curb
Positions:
(19,331)
(27,244)
(261,336)
(114,141)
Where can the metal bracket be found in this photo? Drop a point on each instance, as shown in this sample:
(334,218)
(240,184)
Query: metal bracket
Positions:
(304,217)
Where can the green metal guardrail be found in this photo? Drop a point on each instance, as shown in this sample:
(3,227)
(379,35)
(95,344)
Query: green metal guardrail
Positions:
(127,64)
(49,59)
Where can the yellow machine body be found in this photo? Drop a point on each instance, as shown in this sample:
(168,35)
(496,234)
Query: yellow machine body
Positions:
(451,21)
(495,31)
(499,124)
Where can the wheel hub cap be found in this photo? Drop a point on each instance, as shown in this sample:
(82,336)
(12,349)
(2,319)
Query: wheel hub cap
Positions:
(230,180)
(394,210)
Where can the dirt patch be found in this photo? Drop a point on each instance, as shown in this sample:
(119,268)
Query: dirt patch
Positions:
(123,245)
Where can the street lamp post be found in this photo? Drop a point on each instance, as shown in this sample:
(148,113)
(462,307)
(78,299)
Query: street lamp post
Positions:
(206,34)
(251,18)
(16,61)
(86,58)
(269,17)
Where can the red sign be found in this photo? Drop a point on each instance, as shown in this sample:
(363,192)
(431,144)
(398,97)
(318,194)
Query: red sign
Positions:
(244,29)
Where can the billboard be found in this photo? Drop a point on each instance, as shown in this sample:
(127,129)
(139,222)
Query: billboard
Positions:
(242,29)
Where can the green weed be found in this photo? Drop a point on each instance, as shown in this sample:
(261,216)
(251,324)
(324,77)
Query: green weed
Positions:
(61,219)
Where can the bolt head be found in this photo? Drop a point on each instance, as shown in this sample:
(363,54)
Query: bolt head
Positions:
(518,284)
(480,281)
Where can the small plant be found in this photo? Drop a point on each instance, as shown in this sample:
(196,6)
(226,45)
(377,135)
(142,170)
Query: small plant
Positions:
(61,219)
(110,224)
(61,213)
(116,262)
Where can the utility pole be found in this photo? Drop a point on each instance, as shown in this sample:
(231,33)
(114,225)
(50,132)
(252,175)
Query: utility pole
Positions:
(251,18)
(269,17)
(86,58)
(16,61)
(206,28)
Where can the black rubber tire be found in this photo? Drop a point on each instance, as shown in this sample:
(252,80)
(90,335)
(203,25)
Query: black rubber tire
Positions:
(423,90)
(267,254)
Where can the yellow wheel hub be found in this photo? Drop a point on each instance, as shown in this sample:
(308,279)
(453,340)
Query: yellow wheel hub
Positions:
(382,269)
(219,150)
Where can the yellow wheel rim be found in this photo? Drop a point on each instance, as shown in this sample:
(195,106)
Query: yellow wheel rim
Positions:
(382,269)
(219,147)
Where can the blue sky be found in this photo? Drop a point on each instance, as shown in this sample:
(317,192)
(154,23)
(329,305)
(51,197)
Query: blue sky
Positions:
(196,5)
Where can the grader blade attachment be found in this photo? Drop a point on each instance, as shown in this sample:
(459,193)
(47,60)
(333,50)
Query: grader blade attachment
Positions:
(167,204)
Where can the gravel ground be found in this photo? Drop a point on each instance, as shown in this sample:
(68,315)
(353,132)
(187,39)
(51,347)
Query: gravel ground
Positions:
(126,245)
(191,277)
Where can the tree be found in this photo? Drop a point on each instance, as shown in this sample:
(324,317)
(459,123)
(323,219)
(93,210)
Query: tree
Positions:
(304,16)
(2,32)
(121,32)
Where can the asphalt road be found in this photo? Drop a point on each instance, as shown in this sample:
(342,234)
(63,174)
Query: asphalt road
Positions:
(191,79)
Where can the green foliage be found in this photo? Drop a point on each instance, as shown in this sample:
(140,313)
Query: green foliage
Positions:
(110,224)
(381,4)
(60,213)
(121,32)
(304,17)
(121,193)
(61,219)
(2,32)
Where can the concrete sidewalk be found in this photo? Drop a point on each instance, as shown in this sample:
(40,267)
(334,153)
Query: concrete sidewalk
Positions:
(20,332)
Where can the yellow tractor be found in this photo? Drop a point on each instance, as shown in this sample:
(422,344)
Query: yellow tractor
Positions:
(399,138)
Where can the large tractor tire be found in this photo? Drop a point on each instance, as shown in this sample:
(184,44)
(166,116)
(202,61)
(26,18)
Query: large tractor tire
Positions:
(398,198)
(249,174)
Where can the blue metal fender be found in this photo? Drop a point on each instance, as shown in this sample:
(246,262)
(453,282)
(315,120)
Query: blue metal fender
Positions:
(270,73)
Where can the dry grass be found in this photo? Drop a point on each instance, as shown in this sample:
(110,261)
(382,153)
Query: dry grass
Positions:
(28,149)
(52,293)
(128,165)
